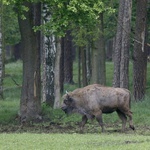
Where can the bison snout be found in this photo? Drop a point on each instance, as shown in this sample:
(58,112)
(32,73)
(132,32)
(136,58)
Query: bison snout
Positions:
(64,108)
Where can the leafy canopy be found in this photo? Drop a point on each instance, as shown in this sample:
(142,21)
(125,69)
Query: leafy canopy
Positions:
(79,16)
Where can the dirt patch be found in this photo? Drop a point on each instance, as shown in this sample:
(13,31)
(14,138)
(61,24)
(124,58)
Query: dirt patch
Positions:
(70,127)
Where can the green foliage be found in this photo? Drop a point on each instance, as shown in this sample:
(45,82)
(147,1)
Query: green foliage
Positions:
(79,16)
(10,25)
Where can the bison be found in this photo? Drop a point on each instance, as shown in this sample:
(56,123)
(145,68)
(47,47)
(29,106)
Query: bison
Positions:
(93,100)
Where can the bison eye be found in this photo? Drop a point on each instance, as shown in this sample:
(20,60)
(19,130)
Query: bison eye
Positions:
(66,101)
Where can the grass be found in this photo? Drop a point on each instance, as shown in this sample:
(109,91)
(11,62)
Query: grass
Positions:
(9,106)
(74,141)
(64,131)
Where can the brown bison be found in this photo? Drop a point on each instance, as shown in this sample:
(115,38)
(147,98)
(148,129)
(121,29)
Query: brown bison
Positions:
(93,100)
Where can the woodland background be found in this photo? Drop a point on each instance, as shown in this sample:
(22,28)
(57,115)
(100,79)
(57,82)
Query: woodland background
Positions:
(50,37)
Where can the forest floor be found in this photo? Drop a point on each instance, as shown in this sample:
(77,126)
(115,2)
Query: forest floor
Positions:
(72,127)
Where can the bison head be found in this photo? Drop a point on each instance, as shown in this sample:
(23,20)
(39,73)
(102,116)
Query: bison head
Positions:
(68,104)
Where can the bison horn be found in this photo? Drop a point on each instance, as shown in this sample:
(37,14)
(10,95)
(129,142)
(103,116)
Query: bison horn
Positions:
(66,92)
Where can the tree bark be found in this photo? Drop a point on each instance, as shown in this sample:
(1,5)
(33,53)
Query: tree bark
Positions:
(30,104)
(118,41)
(62,66)
(122,45)
(125,46)
(84,68)
(140,51)
(98,57)
(1,51)
(79,67)
(68,59)
(57,75)
(49,52)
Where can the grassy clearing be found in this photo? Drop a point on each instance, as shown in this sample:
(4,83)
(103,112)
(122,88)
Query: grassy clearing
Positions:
(74,141)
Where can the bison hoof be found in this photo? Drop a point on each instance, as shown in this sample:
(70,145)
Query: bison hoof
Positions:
(132,127)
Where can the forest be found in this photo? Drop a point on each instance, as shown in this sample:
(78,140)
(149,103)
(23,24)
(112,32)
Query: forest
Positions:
(51,47)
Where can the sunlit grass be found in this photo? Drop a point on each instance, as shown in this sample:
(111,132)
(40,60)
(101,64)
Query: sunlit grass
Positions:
(74,141)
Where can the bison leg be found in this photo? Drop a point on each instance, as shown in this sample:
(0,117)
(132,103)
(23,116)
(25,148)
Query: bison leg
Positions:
(123,117)
(84,121)
(100,120)
(129,114)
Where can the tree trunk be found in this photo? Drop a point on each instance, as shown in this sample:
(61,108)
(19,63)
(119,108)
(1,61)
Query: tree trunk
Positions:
(62,66)
(140,51)
(84,69)
(118,41)
(57,75)
(49,52)
(79,67)
(98,57)
(125,46)
(30,104)
(1,52)
(88,62)
(68,59)
(122,45)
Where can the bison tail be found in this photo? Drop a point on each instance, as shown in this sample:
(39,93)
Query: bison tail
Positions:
(129,99)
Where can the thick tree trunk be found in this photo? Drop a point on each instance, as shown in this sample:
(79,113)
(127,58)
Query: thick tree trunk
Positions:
(30,104)
(118,44)
(122,45)
(124,65)
(140,51)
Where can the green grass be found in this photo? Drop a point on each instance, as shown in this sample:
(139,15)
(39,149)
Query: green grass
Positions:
(74,141)
(9,106)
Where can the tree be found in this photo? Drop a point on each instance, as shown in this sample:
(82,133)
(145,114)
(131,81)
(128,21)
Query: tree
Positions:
(30,104)
(140,51)
(98,57)
(57,74)
(68,58)
(48,61)
(1,51)
(84,66)
(122,45)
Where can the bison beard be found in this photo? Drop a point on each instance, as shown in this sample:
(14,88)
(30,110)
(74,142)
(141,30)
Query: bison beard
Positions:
(93,100)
